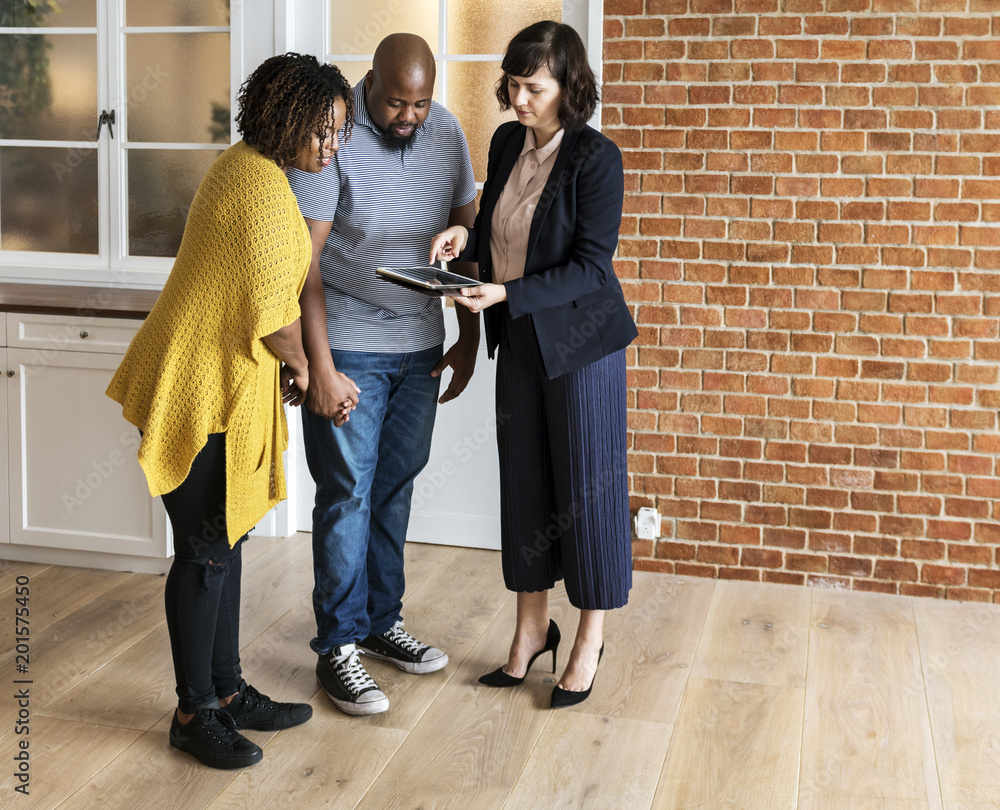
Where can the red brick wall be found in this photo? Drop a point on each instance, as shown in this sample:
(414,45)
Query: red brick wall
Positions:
(812,251)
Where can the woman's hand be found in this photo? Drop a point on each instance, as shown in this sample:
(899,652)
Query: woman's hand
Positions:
(294,385)
(479,298)
(448,244)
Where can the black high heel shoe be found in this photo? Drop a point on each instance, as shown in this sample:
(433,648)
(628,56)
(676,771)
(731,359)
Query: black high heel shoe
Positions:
(500,678)
(561,698)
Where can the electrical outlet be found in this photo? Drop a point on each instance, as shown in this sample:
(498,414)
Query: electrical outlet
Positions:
(647,524)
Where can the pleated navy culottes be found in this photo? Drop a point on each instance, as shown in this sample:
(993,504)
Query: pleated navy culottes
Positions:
(564,511)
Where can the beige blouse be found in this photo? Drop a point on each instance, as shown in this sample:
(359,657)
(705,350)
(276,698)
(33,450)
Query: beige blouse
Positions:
(511,220)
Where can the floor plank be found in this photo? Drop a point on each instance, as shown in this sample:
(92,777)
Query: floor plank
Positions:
(490,735)
(82,642)
(960,652)
(650,646)
(324,763)
(56,591)
(273,583)
(755,633)
(63,756)
(866,734)
(576,752)
(731,748)
(133,690)
(430,614)
(151,770)
(10,570)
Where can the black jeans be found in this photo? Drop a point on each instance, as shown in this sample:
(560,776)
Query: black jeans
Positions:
(202,594)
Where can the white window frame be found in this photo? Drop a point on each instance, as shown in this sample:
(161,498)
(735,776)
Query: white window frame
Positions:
(303,34)
(111,266)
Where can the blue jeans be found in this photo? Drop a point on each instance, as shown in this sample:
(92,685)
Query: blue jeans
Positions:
(364,475)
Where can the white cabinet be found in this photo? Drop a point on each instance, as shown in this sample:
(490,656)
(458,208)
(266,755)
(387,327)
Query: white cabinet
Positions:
(73,480)
(4,508)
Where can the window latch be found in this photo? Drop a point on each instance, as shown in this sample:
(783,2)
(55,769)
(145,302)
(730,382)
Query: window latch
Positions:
(109,119)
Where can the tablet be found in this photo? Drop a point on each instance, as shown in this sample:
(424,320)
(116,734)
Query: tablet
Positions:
(428,280)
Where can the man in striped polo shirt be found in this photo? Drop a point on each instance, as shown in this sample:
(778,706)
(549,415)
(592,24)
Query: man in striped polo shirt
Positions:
(402,177)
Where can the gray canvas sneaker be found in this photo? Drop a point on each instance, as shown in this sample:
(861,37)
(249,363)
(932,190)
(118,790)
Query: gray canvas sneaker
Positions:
(352,690)
(398,647)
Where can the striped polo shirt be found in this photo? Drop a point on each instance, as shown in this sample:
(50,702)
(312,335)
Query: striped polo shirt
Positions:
(385,205)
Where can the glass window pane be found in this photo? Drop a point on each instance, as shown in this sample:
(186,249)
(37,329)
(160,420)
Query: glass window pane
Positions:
(49,199)
(471,87)
(178,88)
(176,12)
(360,27)
(48,86)
(35,14)
(161,185)
(354,72)
(474,26)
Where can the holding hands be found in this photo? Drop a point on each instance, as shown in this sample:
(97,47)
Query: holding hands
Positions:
(333,396)
(447,246)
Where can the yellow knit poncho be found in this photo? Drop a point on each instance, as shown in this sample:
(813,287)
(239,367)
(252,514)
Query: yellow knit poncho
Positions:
(198,364)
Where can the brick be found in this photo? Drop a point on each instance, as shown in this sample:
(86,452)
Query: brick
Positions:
(739,535)
(850,566)
(808,563)
(762,558)
(943,575)
(949,530)
(744,574)
(896,570)
(782,537)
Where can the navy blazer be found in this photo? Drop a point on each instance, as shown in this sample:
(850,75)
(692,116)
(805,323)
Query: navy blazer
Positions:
(569,286)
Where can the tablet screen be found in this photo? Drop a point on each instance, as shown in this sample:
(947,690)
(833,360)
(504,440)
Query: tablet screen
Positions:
(430,277)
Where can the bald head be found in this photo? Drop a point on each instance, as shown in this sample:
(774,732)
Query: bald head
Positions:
(399,87)
(404,55)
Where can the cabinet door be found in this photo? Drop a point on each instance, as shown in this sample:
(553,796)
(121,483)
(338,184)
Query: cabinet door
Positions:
(75,482)
(4,385)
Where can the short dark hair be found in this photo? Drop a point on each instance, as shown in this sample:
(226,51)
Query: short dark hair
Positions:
(558,47)
(286,100)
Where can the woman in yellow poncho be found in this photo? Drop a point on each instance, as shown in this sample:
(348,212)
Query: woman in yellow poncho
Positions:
(203,380)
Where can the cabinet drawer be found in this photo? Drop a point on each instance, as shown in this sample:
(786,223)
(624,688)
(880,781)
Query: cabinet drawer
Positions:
(69,333)
(3,328)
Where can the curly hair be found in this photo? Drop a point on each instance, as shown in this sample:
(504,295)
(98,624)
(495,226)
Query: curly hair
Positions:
(287,100)
(558,47)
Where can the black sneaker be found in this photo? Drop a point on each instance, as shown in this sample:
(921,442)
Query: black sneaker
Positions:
(250,709)
(351,689)
(212,739)
(400,648)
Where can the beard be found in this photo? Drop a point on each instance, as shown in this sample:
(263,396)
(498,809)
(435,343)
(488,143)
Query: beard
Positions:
(395,142)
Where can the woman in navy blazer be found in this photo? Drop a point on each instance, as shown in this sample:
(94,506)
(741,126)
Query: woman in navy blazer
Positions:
(561,325)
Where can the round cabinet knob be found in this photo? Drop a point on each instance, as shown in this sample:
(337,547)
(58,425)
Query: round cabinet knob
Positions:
(84,334)
(10,373)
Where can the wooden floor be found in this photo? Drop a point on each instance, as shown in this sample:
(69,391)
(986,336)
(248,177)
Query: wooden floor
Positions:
(710,695)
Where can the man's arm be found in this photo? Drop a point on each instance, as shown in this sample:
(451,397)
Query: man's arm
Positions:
(331,394)
(462,356)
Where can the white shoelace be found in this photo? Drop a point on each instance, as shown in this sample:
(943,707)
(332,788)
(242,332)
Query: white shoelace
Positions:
(352,674)
(403,639)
